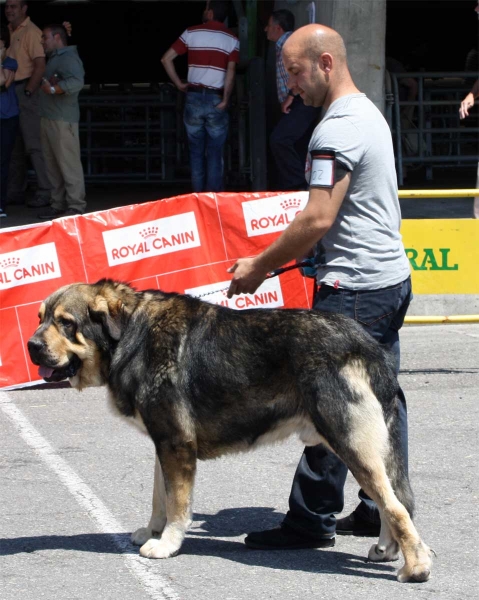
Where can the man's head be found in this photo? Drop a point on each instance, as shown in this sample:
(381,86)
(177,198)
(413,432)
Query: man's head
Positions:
(279,22)
(315,58)
(216,10)
(53,38)
(15,12)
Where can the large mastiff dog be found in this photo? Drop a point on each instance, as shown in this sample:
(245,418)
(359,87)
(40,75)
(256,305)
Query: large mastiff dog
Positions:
(203,380)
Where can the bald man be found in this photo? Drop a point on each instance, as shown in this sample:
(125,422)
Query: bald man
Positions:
(352,221)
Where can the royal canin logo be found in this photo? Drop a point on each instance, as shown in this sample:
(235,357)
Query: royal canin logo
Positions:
(162,236)
(29,265)
(149,232)
(272,214)
(268,295)
(7,263)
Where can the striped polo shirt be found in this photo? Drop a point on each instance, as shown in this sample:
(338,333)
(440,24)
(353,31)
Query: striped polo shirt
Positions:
(210,46)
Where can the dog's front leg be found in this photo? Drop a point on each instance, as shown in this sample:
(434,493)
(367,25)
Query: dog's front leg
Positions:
(158,515)
(179,466)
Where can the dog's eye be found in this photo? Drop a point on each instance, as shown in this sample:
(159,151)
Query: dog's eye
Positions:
(67,323)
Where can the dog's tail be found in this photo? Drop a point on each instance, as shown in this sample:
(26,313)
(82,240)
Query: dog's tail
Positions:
(396,459)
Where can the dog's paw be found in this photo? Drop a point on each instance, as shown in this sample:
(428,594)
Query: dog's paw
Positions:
(141,536)
(159,548)
(420,570)
(382,553)
(419,573)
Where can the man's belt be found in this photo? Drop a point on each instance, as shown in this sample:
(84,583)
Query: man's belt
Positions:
(22,81)
(198,89)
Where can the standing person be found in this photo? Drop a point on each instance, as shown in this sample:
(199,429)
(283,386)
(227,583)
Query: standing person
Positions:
(353,210)
(26,48)
(8,114)
(466,105)
(60,114)
(297,120)
(213,52)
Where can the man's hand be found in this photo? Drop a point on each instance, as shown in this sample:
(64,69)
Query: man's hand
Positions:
(248,276)
(223,105)
(68,27)
(285,105)
(182,87)
(466,104)
(46,87)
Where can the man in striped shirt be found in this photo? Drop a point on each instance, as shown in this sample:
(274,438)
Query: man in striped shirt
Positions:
(289,139)
(212,56)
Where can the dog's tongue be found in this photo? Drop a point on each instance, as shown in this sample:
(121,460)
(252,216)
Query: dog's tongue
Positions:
(45,372)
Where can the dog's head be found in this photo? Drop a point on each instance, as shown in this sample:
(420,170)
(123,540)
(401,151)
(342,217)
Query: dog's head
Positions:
(80,325)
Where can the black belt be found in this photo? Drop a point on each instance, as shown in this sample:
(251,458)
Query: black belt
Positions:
(205,90)
(22,80)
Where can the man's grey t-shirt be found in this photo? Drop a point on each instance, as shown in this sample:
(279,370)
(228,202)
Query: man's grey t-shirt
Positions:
(363,249)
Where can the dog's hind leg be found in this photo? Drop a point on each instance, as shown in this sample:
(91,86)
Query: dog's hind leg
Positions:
(368,452)
(417,556)
(158,515)
(178,464)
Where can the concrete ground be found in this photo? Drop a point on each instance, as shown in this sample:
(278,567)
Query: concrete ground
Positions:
(75,480)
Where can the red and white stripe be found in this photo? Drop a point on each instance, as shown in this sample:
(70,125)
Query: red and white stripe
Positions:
(210,48)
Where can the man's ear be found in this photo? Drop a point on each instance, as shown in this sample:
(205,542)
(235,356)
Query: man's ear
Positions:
(326,62)
(109,315)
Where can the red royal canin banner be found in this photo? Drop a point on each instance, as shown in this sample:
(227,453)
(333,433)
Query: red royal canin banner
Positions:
(183,244)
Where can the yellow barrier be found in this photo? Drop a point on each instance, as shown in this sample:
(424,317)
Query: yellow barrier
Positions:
(451,319)
(466,193)
(458,193)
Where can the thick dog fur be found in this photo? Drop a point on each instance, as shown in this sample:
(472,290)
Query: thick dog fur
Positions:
(204,380)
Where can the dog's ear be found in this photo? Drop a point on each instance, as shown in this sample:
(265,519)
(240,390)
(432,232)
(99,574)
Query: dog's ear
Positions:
(109,314)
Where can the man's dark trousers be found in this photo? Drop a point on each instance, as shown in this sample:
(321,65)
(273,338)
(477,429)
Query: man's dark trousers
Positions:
(285,139)
(318,486)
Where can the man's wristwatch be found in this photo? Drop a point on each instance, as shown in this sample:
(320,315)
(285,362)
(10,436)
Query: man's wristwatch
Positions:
(27,93)
(52,90)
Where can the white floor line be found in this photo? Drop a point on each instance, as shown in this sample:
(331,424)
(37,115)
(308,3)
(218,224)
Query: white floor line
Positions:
(148,577)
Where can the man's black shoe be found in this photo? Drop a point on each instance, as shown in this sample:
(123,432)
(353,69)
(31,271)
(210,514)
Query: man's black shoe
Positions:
(355,525)
(50,213)
(284,538)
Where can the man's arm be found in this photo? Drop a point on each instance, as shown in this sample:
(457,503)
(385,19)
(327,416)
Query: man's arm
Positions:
(167,61)
(36,77)
(296,241)
(469,100)
(7,75)
(228,86)
(285,105)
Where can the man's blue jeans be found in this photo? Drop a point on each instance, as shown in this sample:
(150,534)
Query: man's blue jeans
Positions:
(317,493)
(207,130)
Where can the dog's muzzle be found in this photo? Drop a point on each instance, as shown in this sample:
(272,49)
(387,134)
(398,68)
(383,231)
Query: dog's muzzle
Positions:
(49,372)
